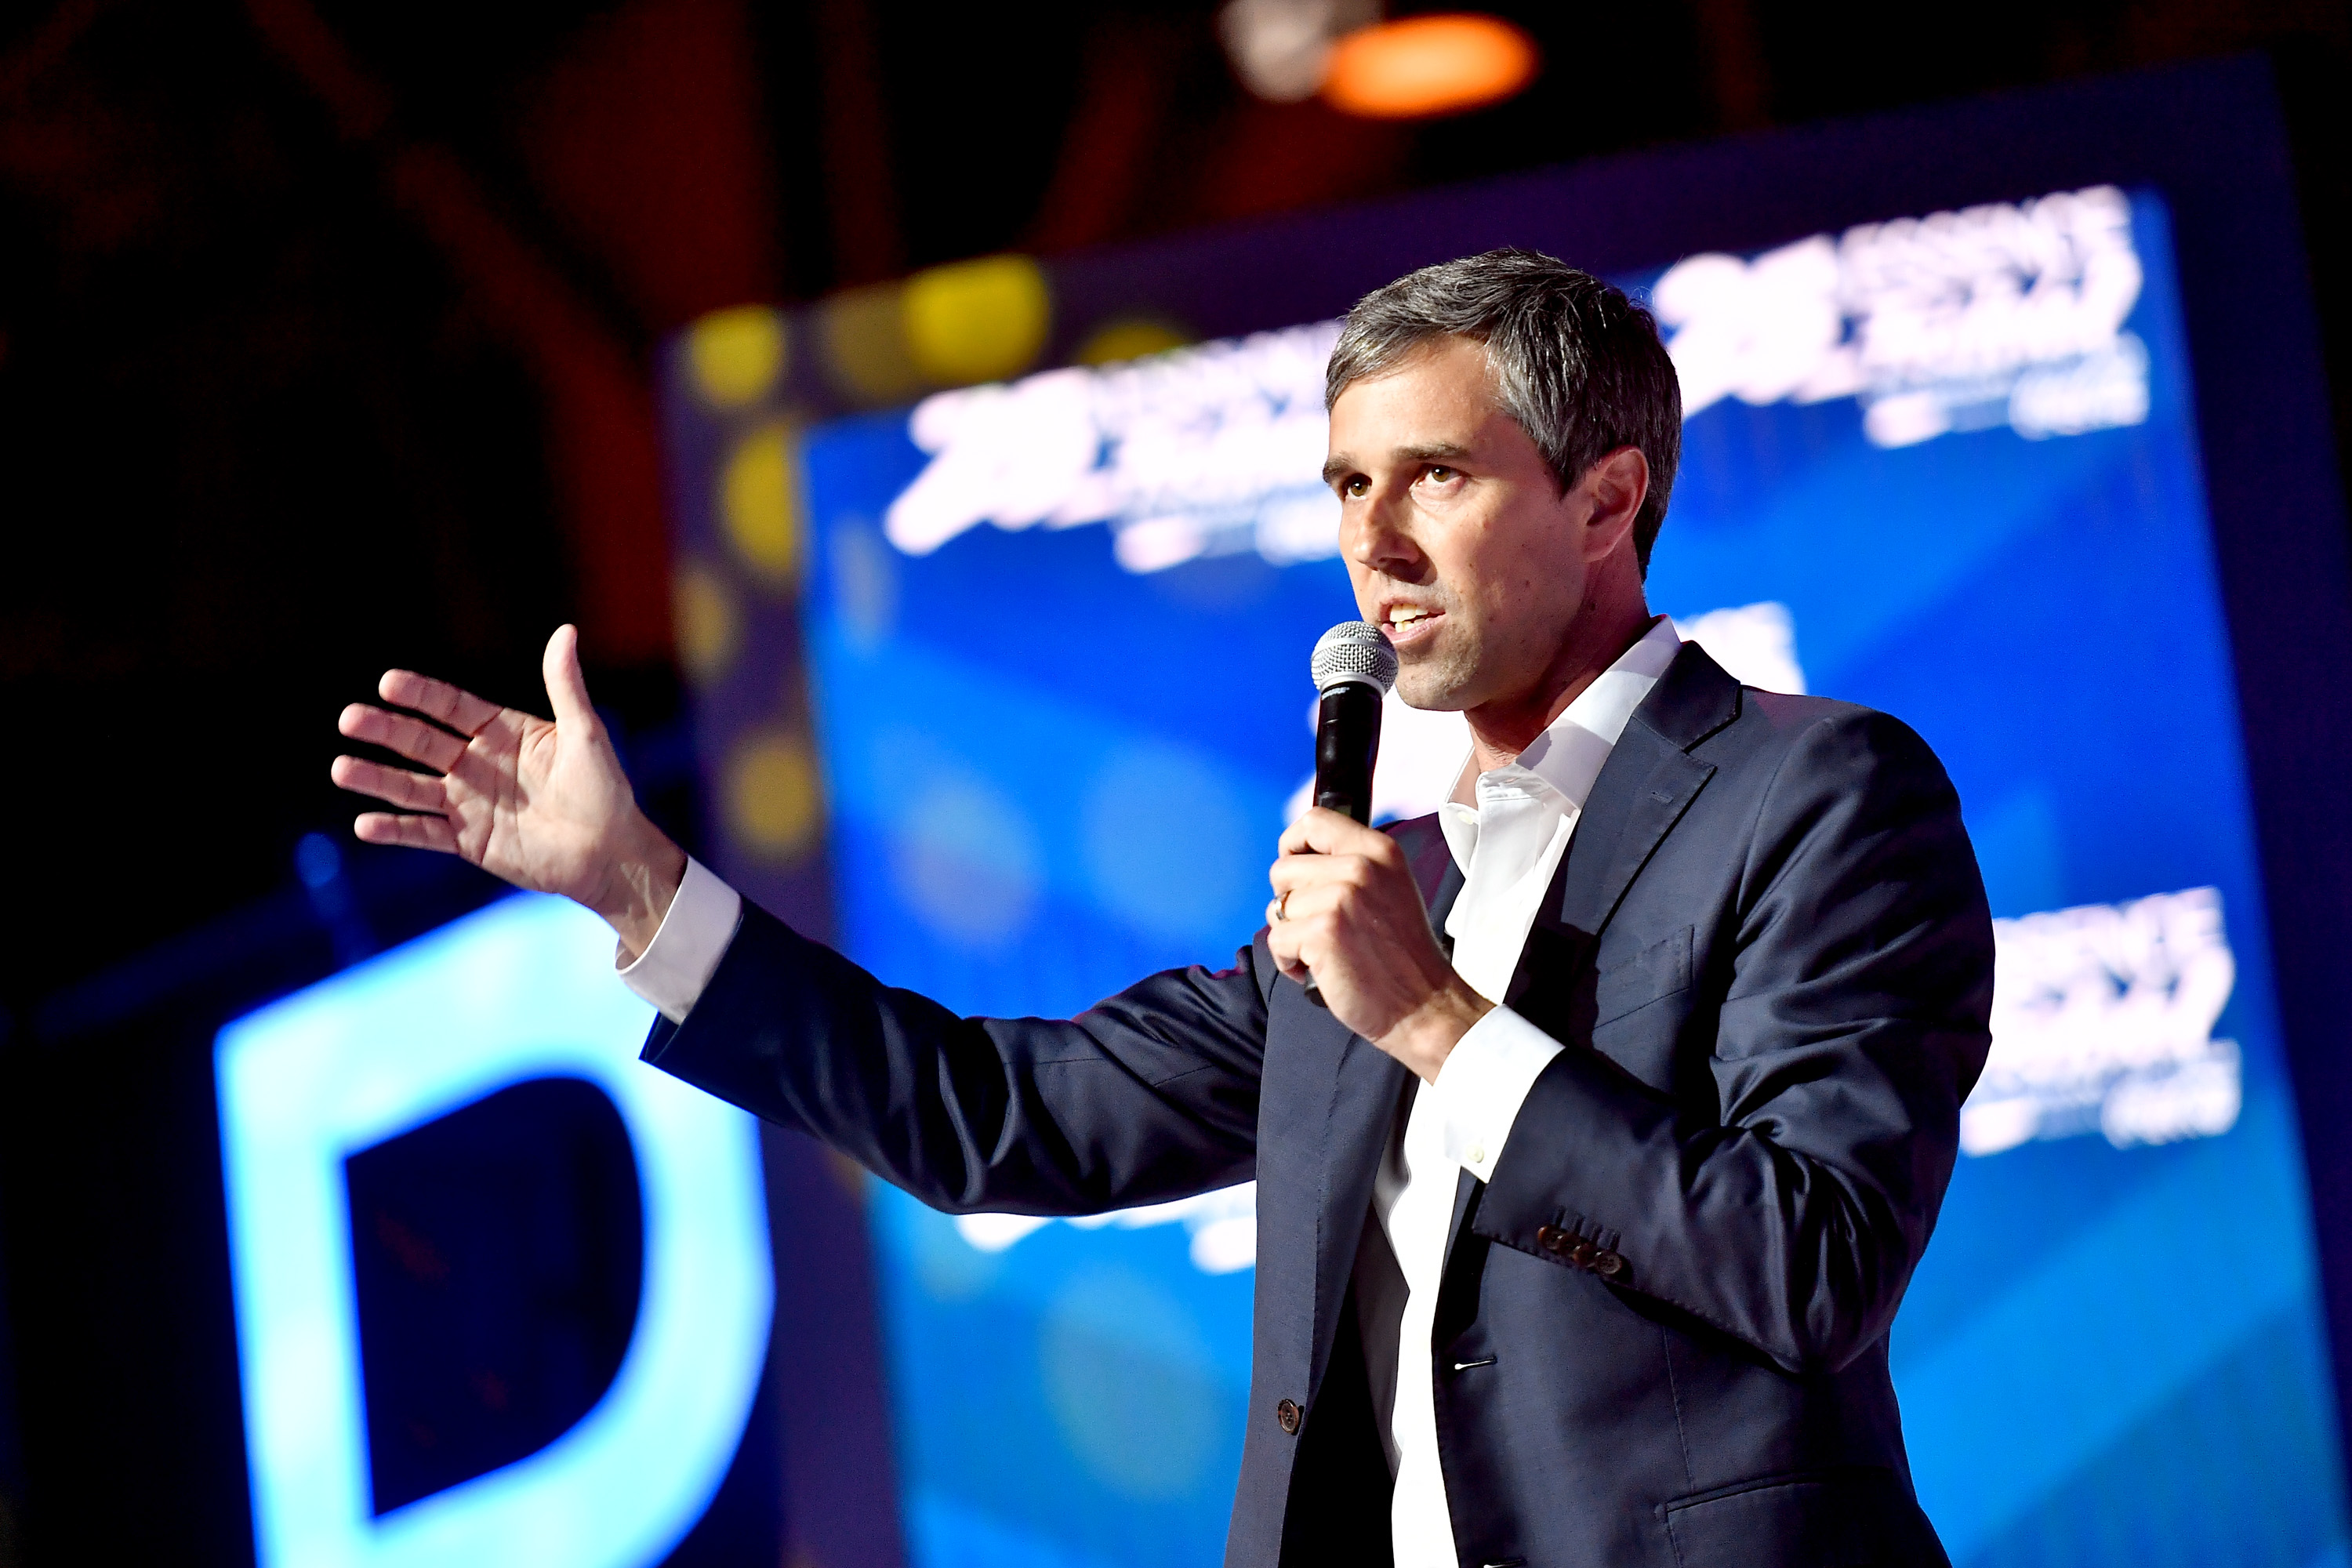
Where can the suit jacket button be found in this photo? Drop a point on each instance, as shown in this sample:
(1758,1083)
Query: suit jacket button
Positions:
(1582,1254)
(1608,1265)
(1552,1238)
(1287,1415)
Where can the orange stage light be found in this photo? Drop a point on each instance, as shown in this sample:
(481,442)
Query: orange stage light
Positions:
(1421,67)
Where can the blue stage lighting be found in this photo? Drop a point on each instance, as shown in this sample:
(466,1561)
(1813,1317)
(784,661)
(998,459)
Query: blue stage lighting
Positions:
(521,991)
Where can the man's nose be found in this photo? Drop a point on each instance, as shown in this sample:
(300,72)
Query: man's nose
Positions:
(1376,538)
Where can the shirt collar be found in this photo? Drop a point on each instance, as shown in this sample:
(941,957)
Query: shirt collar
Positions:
(1569,754)
(1566,759)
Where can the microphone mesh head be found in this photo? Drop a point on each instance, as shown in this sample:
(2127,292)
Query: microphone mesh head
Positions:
(1354,650)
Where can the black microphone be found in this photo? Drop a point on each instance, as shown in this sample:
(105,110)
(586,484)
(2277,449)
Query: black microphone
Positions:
(1353,666)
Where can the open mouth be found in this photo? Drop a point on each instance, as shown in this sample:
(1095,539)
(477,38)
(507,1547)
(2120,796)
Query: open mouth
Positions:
(1410,623)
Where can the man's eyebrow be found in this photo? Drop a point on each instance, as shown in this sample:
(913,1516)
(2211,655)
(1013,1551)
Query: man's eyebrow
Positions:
(1341,464)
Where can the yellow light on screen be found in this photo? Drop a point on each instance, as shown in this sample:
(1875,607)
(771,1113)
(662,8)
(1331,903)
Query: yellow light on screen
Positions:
(770,793)
(1129,337)
(984,319)
(1421,67)
(736,356)
(759,502)
(709,626)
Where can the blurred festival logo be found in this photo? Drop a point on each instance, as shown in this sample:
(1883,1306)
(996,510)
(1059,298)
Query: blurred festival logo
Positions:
(2002,314)
(1201,452)
(2005,314)
(2102,1021)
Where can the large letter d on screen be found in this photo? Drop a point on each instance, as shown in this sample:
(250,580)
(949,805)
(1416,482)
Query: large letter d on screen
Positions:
(522,990)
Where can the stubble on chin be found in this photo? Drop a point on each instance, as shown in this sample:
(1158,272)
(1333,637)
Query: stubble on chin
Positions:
(1435,679)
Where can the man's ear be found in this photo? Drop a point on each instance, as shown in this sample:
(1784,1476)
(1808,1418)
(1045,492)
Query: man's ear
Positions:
(1616,484)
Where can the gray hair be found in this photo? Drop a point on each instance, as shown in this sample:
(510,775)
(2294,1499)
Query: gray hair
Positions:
(1579,365)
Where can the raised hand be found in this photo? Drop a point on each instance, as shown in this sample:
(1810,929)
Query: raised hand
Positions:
(543,805)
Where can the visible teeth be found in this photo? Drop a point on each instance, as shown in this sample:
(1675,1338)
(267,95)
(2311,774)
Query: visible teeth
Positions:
(1402,613)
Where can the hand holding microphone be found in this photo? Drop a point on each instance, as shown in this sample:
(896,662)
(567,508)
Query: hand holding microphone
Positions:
(1347,920)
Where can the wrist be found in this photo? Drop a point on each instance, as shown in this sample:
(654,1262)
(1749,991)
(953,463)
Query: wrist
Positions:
(1426,1036)
(642,880)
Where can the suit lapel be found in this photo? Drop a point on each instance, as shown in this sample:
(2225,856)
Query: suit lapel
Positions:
(1648,782)
(1431,860)
(1642,790)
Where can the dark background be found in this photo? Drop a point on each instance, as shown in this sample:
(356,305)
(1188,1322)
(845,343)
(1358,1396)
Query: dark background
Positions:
(326,344)
(325,327)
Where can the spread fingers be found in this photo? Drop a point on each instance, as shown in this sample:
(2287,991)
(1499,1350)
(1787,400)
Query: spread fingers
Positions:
(410,792)
(460,709)
(409,832)
(411,738)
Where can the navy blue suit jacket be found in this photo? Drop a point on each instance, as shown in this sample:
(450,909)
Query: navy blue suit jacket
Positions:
(1662,1333)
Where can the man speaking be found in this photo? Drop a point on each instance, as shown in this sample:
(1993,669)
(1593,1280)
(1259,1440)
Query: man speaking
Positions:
(1589,1189)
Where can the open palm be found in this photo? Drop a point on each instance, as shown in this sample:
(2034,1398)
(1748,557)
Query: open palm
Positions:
(543,805)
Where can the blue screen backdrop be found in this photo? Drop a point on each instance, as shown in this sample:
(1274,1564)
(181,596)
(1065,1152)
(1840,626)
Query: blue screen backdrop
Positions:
(1060,734)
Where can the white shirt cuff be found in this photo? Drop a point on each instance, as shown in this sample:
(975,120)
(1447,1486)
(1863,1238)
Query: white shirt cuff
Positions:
(694,936)
(1483,1082)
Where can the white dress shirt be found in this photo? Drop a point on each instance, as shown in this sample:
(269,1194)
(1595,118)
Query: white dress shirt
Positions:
(1508,845)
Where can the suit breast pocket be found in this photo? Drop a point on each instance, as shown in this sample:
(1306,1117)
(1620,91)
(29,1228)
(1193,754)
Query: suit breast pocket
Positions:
(1639,1006)
(1659,971)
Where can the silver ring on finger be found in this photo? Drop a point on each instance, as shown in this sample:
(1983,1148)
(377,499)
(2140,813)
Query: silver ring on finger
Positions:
(1282,906)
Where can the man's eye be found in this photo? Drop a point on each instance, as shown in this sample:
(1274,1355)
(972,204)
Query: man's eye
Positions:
(1440,472)
(1356,487)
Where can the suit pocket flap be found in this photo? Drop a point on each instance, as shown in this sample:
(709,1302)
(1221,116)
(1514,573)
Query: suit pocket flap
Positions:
(1851,1517)
(1659,969)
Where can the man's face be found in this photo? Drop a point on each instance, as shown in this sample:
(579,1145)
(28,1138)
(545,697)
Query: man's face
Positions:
(1459,543)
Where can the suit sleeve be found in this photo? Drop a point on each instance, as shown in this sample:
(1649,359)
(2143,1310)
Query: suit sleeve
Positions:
(1148,1096)
(1853,1026)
